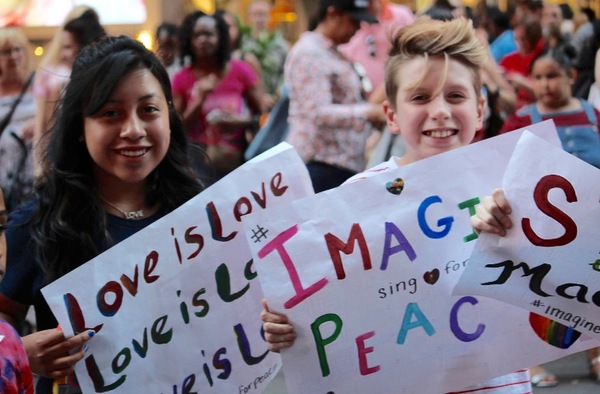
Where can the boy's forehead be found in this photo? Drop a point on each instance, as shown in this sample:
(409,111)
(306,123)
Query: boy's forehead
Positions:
(422,71)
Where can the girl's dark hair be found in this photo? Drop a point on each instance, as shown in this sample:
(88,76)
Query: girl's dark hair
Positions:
(318,16)
(70,225)
(171,29)
(564,55)
(187,35)
(86,28)
(439,13)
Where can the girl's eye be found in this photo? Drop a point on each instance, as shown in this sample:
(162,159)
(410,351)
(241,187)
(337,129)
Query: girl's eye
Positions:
(109,113)
(151,109)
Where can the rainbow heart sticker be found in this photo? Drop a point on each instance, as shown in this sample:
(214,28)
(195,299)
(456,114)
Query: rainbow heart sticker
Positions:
(396,186)
(553,333)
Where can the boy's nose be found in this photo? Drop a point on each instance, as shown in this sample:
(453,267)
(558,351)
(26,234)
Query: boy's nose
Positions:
(439,108)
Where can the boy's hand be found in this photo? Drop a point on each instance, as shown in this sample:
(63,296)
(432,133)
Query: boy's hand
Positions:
(52,355)
(279,333)
(492,214)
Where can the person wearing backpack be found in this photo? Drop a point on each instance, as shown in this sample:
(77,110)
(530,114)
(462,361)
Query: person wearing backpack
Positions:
(552,76)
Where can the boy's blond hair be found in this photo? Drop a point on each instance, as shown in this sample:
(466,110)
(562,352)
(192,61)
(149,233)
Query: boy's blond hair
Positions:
(427,37)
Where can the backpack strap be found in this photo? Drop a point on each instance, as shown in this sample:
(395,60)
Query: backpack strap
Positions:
(535,115)
(531,111)
(589,111)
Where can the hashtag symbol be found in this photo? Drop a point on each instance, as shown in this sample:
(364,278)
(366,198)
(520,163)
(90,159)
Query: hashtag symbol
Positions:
(259,234)
(537,303)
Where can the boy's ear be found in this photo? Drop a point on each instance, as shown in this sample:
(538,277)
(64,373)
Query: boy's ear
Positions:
(481,103)
(390,117)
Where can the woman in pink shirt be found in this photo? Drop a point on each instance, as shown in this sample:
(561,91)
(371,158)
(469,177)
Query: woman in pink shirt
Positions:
(217,97)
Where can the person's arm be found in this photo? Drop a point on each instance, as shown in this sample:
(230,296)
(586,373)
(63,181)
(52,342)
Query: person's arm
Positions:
(254,100)
(279,333)
(189,111)
(310,86)
(492,215)
(497,84)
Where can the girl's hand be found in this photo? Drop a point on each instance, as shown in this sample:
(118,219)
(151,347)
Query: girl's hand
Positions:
(492,214)
(52,355)
(279,333)
(202,87)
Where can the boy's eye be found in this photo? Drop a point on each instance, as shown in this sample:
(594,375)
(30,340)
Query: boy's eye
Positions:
(418,97)
(457,95)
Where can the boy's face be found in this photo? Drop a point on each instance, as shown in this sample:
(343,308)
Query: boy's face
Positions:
(433,120)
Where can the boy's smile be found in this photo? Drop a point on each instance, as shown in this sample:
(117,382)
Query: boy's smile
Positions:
(440,112)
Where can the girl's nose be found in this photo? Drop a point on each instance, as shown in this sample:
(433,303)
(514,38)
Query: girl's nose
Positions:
(132,129)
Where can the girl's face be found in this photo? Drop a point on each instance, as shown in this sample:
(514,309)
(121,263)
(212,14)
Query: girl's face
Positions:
(68,48)
(434,120)
(551,84)
(205,40)
(129,136)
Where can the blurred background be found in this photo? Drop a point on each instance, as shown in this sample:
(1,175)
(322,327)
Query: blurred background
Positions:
(139,18)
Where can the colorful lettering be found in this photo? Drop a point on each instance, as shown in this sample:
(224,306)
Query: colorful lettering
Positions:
(412,309)
(277,244)
(362,354)
(445,223)
(455,327)
(321,342)
(403,245)
(336,245)
(540,196)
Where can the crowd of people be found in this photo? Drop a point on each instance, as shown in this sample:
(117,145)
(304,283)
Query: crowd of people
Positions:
(106,136)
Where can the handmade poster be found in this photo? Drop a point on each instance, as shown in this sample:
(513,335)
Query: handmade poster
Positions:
(176,306)
(365,274)
(549,262)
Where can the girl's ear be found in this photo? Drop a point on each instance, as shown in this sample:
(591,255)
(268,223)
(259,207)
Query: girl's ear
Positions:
(390,117)
(572,74)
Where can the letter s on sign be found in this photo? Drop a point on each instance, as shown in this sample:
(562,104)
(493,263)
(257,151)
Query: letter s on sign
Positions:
(540,196)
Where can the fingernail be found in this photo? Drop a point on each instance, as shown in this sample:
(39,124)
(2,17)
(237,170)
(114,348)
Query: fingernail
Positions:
(91,333)
(86,348)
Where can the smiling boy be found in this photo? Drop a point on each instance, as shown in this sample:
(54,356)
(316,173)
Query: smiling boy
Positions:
(433,86)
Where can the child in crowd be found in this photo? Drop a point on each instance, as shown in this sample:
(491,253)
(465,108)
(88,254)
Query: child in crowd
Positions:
(433,85)
(118,162)
(552,77)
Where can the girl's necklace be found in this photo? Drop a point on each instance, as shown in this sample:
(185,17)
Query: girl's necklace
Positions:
(131,215)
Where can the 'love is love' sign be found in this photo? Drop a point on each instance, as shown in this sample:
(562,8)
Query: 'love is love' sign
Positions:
(176,306)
